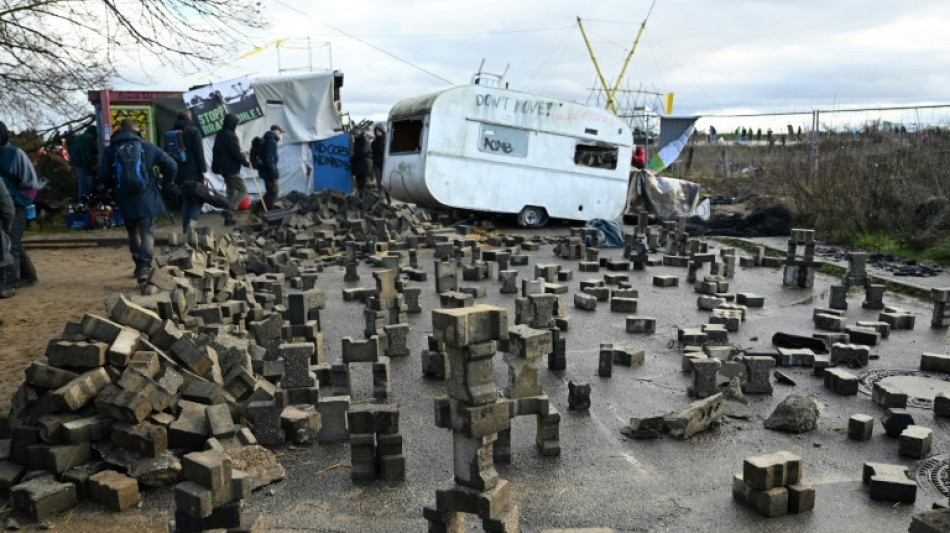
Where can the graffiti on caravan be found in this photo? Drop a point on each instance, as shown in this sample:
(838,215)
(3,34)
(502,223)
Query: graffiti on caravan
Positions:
(519,106)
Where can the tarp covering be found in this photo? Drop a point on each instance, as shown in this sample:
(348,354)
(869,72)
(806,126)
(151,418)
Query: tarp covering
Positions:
(667,198)
(303,106)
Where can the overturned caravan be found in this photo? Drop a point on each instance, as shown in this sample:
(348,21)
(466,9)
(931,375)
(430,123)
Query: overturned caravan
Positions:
(501,151)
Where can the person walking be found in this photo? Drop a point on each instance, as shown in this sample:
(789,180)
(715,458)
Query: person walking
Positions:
(7,212)
(83,151)
(192,169)
(19,178)
(378,148)
(361,162)
(269,171)
(227,160)
(128,168)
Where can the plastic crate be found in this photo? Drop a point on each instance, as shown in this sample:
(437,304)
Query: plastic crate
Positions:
(78,221)
(117,219)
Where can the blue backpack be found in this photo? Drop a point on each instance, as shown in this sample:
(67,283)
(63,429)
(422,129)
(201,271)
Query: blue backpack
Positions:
(129,168)
(175,145)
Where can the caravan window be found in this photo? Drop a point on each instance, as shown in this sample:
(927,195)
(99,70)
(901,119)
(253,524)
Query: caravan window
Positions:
(502,140)
(596,154)
(406,137)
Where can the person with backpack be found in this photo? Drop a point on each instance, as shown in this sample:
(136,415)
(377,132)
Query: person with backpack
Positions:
(83,151)
(267,168)
(192,168)
(227,160)
(19,178)
(128,168)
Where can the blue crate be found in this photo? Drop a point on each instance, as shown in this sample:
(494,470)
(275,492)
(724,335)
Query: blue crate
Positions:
(78,221)
(117,219)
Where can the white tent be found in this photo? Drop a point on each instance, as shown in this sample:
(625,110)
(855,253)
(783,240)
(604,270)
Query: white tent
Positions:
(303,106)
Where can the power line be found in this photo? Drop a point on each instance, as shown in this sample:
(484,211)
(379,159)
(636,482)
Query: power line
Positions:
(828,111)
(374,47)
(464,34)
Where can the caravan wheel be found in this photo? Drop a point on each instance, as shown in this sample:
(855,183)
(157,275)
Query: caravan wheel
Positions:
(532,217)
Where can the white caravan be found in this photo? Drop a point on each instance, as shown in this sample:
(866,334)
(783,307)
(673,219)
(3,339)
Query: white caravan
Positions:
(496,150)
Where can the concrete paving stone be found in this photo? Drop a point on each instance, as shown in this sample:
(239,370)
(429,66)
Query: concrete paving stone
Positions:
(81,390)
(915,442)
(860,427)
(193,499)
(116,491)
(43,497)
(935,362)
(841,381)
(585,301)
(942,404)
(42,375)
(770,503)
(145,438)
(79,355)
(640,324)
(935,521)
(888,395)
(850,354)
(623,305)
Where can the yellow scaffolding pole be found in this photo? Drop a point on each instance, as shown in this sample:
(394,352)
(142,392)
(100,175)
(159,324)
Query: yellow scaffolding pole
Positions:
(610,95)
(633,49)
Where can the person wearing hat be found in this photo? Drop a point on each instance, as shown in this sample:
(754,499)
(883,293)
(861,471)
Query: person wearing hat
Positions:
(268,171)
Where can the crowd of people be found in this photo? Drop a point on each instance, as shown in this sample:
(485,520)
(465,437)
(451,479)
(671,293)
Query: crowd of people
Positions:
(139,176)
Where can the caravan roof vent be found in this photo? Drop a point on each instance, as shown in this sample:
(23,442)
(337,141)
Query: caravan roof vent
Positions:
(488,79)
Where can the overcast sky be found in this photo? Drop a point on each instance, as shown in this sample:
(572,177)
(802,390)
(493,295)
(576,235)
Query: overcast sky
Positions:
(718,57)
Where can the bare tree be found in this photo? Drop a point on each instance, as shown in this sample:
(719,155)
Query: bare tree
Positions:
(51,50)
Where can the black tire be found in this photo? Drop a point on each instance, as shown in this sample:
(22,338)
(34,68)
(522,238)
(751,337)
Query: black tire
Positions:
(532,217)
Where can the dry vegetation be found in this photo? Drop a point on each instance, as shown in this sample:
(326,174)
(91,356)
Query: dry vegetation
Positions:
(878,189)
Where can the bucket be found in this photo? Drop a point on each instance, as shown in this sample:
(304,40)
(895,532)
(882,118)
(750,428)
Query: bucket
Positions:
(245,204)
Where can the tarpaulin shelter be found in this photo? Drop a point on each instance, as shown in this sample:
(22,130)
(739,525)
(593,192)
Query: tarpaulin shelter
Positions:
(303,105)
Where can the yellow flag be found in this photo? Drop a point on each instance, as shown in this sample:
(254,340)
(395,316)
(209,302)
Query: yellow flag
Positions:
(669,103)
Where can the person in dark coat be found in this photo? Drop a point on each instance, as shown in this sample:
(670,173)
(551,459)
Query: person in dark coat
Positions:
(139,209)
(7,212)
(19,178)
(361,162)
(192,171)
(378,147)
(269,172)
(227,160)
(83,152)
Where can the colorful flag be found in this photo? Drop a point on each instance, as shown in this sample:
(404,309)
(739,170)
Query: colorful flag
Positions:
(671,150)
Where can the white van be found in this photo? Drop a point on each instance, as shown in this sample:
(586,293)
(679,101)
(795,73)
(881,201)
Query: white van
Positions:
(496,150)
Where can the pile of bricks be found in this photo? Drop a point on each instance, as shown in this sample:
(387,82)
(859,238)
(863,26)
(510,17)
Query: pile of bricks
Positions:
(772,485)
(221,350)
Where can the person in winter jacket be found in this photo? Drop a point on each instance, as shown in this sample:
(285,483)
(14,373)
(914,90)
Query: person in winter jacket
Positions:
(83,151)
(378,147)
(19,178)
(192,171)
(227,160)
(268,171)
(639,160)
(361,162)
(138,208)
(7,212)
